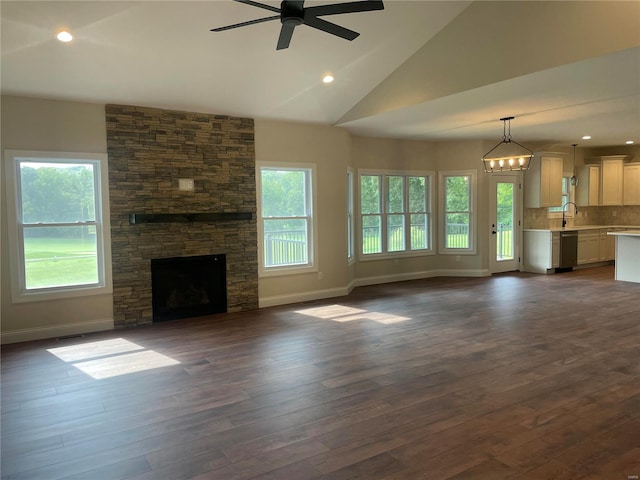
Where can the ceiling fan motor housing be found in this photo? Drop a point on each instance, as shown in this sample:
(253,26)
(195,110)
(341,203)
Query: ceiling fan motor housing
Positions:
(291,13)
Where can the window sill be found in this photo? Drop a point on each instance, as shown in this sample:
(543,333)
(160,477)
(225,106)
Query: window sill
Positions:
(392,256)
(290,270)
(55,294)
(454,251)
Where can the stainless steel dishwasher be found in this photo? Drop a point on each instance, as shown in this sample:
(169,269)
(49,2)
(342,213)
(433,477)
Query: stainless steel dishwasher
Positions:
(568,249)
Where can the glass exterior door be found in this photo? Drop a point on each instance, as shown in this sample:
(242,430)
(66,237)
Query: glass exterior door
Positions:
(505,229)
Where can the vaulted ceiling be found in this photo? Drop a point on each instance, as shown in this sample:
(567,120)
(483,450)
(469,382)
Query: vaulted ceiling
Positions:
(441,70)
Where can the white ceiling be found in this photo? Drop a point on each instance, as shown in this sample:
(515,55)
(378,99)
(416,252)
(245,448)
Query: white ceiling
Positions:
(162,54)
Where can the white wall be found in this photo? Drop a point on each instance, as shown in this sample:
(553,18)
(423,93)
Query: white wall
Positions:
(47,125)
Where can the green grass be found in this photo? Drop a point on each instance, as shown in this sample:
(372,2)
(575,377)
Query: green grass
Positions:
(60,261)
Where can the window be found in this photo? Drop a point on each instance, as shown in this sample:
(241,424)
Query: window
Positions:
(567,196)
(457,202)
(395,213)
(350,239)
(286,221)
(57,235)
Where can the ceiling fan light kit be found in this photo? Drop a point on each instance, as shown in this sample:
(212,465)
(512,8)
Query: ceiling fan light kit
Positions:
(292,14)
(504,157)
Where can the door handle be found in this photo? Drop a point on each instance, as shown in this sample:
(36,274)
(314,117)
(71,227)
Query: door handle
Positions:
(493,232)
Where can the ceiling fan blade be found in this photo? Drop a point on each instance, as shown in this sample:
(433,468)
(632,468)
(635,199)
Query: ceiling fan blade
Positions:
(259,5)
(349,7)
(243,24)
(329,27)
(286,32)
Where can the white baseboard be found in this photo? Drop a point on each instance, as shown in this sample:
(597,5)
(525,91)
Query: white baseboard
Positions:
(398,277)
(463,273)
(302,297)
(53,331)
(361,282)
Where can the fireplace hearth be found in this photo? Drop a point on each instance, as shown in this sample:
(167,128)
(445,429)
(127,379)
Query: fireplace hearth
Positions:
(184,287)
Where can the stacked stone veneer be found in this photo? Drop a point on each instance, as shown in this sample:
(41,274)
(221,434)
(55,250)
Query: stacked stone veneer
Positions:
(149,150)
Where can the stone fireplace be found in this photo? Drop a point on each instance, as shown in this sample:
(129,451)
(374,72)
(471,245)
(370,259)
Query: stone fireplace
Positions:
(149,151)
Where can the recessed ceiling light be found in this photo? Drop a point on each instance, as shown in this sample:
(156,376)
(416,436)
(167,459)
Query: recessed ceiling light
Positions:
(587,137)
(64,36)
(629,142)
(328,78)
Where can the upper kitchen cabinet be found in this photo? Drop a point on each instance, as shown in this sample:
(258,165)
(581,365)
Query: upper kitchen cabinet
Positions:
(631,192)
(588,188)
(543,181)
(611,170)
(600,181)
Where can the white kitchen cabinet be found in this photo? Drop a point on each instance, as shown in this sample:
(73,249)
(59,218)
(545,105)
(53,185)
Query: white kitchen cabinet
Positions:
(588,189)
(538,251)
(631,185)
(607,245)
(611,182)
(543,181)
(588,246)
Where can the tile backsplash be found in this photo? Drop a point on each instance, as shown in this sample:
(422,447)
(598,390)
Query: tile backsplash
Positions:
(627,215)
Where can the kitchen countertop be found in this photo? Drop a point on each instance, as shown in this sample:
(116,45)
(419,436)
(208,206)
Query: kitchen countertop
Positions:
(628,233)
(581,227)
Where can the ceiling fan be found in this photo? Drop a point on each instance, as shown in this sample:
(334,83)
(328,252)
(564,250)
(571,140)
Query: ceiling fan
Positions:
(293,13)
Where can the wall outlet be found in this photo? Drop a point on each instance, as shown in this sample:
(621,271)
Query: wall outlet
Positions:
(186,184)
(457,258)
(613,214)
(320,275)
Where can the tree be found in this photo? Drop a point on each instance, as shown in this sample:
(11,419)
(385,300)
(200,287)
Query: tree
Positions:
(55,193)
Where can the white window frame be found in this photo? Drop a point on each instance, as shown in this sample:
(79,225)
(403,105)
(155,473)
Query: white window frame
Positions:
(556,212)
(473,200)
(351,256)
(383,174)
(310,214)
(19,293)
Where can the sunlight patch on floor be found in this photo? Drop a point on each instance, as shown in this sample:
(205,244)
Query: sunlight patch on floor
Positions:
(111,358)
(83,351)
(341,313)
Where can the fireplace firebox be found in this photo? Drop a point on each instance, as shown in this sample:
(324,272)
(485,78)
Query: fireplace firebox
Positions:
(183,287)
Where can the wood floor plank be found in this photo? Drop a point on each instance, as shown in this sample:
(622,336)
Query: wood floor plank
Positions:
(443,379)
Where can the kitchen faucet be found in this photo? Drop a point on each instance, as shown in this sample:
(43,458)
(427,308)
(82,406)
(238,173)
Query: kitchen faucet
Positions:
(564,222)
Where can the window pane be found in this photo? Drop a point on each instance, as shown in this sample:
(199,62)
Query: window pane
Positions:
(283,193)
(285,242)
(395,195)
(370,194)
(419,234)
(565,195)
(457,230)
(505,214)
(457,194)
(57,192)
(417,194)
(60,256)
(395,233)
(371,234)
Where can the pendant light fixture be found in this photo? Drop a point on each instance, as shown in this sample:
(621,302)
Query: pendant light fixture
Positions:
(574,179)
(505,157)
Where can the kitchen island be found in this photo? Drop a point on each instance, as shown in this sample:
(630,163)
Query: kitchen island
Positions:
(627,255)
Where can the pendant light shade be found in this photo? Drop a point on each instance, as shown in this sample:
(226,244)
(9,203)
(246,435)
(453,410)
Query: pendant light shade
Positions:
(508,155)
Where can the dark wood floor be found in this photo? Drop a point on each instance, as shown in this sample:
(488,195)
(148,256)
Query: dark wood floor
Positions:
(516,376)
